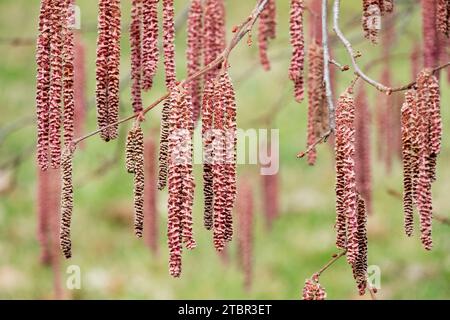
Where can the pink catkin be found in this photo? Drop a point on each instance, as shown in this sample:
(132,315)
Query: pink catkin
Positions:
(346,181)
(136,54)
(150,51)
(108,63)
(370,20)
(169,42)
(298,47)
(79,86)
(362,146)
(56,86)
(312,290)
(150,200)
(43,83)
(194,53)
(68,75)
(245,230)
(214,34)
(266,31)
(443,17)
(360,266)
(429,34)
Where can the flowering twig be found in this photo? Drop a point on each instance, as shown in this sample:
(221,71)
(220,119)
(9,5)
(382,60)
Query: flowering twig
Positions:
(240,33)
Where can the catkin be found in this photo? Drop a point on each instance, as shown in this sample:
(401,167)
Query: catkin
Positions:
(164,146)
(107,71)
(79,86)
(371,19)
(429,34)
(194,54)
(360,266)
(312,290)
(245,214)
(317,109)
(362,148)
(169,43)
(298,48)
(43,83)
(150,51)
(136,54)
(66,200)
(346,194)
(134,162)
(266,31)
(443,17)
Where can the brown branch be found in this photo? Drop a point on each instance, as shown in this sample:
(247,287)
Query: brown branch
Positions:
(335,258)
(241,31)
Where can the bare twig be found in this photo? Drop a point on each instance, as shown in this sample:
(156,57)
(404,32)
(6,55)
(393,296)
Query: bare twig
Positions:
(341,67)
(323,138)
(335,258)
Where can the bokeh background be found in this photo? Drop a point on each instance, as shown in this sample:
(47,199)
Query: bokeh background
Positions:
(114,264)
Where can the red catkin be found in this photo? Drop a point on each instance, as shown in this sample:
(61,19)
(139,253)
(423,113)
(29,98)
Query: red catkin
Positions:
(443,17)
(164,146)
(79,86)
(360,266)
(312,290)
(245,214)
(429,34)
(108,63)
(362,148)
(298,48)
(136,54)
(43,82)
(150,200)
(150,51)
(371,19)
(214,34)
(266,31)
(169,43)
(346,195)
(194,53)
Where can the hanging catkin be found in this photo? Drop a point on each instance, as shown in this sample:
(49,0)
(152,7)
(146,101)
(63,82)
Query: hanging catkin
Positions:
(194,54)
(180,179)
(298,48)
(150,205)
(169,42)
(134,162)
(214,34)
(429,34)
(346,195)
(408,136)
(360,266)
(43,83)
(245,214)
(108,63)
(443,17)
(164,146)
(317,109)
(371,19)
(207,137)
(136,54)
(66,200)
(362,148)
(150,51)
(312,290)
(266,31)
(79,86)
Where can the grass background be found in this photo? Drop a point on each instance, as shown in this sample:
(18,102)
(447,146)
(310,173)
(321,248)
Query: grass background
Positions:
(116,265)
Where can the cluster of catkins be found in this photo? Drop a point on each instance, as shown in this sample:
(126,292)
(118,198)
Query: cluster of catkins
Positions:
(312,290)
(371,19)
(350,206)
(421,143)
(245,206)
(55,81)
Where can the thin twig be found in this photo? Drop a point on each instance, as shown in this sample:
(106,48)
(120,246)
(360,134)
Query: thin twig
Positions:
(335,258)
(342,67)
(323,138)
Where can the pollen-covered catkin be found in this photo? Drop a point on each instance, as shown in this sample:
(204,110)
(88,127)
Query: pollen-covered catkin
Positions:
(150,51)
(346,194)
(312,290)
(371,19)
(136,54)
(298,48)
(43,80)
(66,200)
(107,72)
(194,54)
(169,42)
